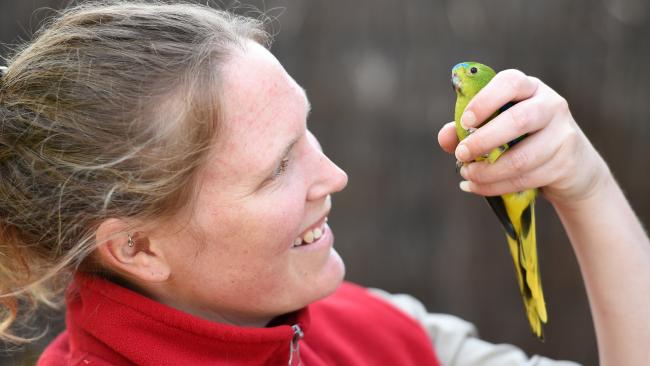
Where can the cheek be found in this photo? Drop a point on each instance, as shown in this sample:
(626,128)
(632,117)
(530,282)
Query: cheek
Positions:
(282,217)
(256,258)
(260,228)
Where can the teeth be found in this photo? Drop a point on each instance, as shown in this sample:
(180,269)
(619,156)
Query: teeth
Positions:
(309,237)
(317,233)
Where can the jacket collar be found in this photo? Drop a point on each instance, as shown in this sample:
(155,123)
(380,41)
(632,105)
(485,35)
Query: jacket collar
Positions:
(122,326)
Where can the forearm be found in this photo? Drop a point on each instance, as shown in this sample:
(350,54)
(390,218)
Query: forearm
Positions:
(613,252)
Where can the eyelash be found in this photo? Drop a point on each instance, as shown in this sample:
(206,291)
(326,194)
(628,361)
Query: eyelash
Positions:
(282,167)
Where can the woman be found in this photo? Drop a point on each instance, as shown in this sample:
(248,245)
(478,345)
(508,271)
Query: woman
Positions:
(159,153)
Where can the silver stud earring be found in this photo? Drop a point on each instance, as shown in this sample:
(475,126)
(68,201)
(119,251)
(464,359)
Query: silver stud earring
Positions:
(130,241)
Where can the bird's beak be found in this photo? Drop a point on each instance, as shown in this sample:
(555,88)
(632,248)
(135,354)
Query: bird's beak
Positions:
(455,81)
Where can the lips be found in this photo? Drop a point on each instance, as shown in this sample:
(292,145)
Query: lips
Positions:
(312,233)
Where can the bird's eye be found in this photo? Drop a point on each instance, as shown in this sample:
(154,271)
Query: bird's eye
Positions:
(473,70)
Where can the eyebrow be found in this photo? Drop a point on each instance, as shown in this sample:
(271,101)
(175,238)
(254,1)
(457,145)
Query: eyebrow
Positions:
(291,143)
(286,150)
(268,172)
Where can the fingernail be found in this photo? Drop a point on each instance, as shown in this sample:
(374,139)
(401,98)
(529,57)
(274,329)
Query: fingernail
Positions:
(463,171)
(462,153)
(468,119)
(464,186)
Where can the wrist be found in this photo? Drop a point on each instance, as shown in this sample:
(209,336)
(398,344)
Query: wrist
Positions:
(595,192)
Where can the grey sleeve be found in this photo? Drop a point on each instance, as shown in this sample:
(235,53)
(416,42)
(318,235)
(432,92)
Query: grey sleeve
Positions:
(455,340)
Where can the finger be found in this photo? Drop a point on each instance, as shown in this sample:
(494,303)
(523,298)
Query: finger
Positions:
(540,177)
(525,117)
(447,137)
(531,153)
(506,86)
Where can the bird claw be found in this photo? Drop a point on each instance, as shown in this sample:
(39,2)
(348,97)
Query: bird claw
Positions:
(459,164)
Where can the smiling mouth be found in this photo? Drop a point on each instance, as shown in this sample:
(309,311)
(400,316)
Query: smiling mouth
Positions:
(312,234)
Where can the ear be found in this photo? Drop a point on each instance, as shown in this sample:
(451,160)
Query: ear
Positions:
(143,261)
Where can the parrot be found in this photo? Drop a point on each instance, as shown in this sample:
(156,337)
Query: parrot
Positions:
(515,211)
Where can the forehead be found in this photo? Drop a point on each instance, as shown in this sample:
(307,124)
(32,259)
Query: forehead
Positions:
(262,107)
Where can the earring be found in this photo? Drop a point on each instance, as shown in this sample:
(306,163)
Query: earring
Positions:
(130,241)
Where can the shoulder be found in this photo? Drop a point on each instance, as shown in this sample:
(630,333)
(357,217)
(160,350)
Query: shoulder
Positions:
(353,321)
(354,298)
(435,323)
(355,307)
(456,340)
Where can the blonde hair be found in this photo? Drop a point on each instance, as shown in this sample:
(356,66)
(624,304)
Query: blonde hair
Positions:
(107,113)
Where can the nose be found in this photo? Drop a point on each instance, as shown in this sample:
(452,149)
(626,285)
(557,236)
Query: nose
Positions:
(331,179)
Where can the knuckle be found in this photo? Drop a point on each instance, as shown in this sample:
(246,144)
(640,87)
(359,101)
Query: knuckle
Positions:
(519,183)
(570,137)
(487,189)
(518,159)
(519,120)
(573,136)
(535,82)
(514,78)
(560,103)
(475,145)
(512,74)
(475,173)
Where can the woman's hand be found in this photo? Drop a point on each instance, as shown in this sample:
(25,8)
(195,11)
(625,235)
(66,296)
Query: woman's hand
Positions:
(611,246)
(555,155)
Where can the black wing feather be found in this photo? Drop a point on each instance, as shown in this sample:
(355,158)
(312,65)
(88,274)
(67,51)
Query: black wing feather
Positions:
(499,208)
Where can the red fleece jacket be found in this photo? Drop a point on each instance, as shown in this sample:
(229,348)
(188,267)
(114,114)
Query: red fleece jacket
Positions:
(108,324)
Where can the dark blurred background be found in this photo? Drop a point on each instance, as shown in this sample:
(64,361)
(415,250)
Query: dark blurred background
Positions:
(377,73)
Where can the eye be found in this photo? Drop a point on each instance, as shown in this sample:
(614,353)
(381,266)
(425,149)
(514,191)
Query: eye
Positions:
(473,70)
(282,167)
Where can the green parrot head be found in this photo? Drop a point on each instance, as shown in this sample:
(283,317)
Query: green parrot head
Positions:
(469,77)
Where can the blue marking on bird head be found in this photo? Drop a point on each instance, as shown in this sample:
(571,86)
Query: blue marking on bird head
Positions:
(462,64)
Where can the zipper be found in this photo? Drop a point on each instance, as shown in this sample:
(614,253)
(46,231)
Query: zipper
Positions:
(294,348)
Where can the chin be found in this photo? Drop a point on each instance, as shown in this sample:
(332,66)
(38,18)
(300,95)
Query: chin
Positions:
(329,281)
